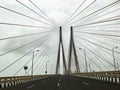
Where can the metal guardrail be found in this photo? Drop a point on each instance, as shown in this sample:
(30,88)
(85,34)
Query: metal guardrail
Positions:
(109,76)
(12,81)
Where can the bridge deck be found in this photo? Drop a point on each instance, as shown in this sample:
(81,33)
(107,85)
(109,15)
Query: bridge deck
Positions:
(64,82)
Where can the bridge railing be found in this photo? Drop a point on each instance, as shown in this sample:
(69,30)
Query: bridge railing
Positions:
(12,81)
(109,76)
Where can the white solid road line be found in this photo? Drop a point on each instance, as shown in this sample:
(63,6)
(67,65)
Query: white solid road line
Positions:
(85,83)
(31,86)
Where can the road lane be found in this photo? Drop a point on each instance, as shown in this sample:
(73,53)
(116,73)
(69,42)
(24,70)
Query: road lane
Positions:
(64,82)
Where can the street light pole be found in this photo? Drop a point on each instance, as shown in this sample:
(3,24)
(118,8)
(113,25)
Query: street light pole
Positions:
(85,59)
(33,61)
(90,65)
(117,66)
(46,67)
(51,68)
(114,57)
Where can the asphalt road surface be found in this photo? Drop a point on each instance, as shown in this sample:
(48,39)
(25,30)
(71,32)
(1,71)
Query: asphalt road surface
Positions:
(66,83)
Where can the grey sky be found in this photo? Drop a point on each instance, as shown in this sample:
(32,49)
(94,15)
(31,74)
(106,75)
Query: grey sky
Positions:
(59,11)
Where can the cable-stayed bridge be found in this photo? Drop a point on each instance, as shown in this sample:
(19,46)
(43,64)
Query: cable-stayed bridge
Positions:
(81,54)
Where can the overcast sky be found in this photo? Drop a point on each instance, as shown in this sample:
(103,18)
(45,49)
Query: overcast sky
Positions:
(59,11)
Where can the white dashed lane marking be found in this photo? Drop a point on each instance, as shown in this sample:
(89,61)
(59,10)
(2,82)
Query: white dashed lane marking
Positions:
(59,80)
(85,83)
(30,87)
(76,79)
(58,84)
(43,81)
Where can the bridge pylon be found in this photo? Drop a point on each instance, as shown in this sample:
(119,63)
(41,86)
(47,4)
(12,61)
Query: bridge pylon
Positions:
(72,49)
(63,54)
